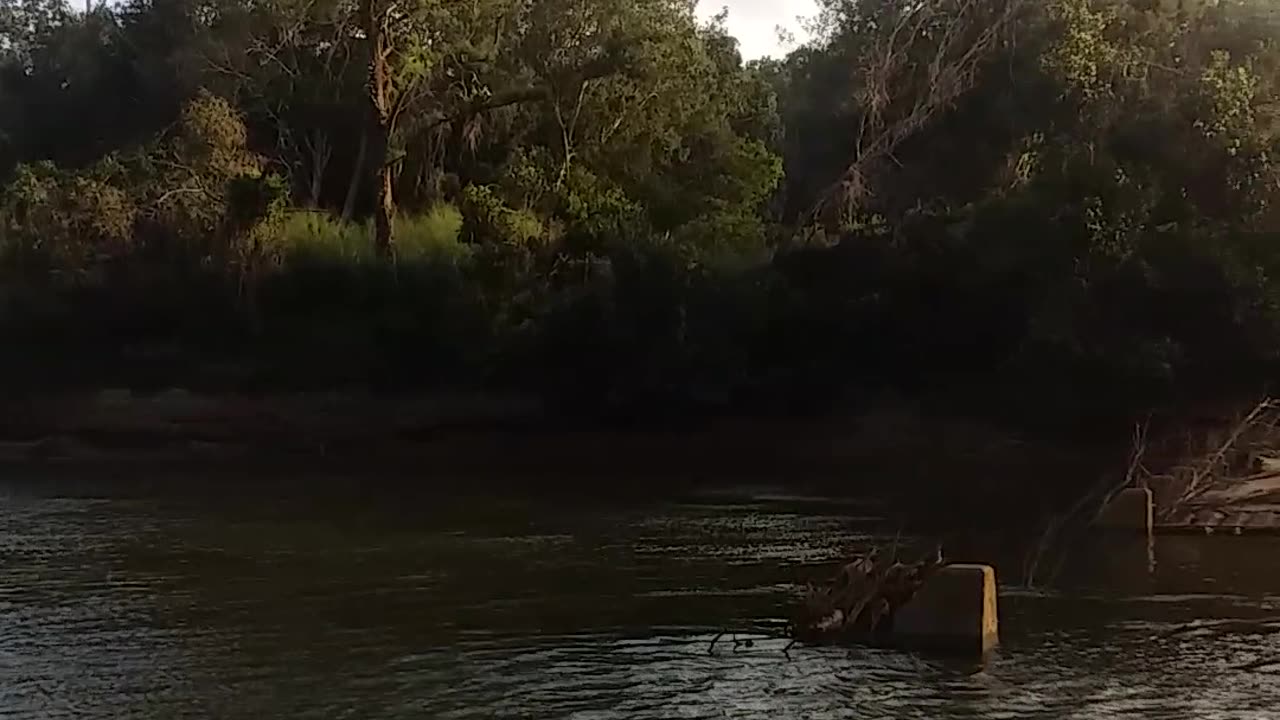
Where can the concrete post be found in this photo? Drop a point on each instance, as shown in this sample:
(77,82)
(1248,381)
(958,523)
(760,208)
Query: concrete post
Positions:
(1131,509)
(954,611)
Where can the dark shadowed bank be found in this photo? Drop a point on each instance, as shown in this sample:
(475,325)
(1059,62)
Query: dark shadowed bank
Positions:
(935,465)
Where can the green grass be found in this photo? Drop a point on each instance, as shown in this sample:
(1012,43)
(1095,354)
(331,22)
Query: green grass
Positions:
(323,237)
(431,237)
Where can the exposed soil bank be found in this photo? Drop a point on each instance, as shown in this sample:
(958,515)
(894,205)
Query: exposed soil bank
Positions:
(947,463)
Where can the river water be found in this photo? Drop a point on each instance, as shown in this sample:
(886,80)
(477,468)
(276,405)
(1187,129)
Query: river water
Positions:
(172,597)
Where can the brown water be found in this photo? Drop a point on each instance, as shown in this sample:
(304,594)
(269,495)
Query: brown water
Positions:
(185,598)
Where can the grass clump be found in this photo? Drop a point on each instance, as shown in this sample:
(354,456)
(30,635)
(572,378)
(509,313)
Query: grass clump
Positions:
(429,237)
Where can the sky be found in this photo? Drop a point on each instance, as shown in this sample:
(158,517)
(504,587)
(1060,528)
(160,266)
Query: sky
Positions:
(755,22)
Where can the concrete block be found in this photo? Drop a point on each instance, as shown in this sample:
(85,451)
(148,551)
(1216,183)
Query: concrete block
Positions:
(954,611)
(1131,509)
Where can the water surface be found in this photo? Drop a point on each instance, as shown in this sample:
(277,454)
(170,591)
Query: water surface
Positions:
(171,597)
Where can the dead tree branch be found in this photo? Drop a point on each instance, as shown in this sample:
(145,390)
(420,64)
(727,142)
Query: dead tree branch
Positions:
(1085,508)
(927,58)
(858,605)
(1208,467)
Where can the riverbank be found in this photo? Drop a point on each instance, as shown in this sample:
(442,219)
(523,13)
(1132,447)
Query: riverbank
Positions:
(948,464)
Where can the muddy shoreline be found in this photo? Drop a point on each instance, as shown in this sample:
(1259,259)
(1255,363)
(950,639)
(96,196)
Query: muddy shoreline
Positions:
(949,464)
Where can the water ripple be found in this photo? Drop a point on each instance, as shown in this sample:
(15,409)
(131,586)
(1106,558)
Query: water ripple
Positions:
(173,605)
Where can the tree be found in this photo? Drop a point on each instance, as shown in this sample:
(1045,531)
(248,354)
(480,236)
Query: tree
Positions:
(295,69)
(422,56)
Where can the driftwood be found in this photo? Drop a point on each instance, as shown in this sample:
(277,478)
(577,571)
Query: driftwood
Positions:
(1181,470)
(1207,464)
(858,605)
(733,636)
(1255,432)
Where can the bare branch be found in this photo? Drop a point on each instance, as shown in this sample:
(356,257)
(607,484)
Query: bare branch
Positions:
(900,93)
(1208,467)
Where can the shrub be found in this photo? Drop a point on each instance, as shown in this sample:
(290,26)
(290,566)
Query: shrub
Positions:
(320,237)
(431,237)
(51,220)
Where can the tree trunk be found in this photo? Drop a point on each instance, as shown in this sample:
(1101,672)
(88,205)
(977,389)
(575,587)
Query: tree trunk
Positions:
(378,129)
(385,207)
(321,152)
(357,171)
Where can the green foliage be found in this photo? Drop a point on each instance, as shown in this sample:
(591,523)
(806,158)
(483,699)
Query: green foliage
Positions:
(601,200)
(432,236)
(64,222)
(597,212)
(320,237)
(492,220)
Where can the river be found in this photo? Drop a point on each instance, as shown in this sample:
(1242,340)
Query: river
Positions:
(188,597)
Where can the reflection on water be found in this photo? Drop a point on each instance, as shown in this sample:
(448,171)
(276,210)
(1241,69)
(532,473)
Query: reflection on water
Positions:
(188,599)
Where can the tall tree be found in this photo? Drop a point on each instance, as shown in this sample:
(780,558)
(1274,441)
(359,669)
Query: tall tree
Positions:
(295,69)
